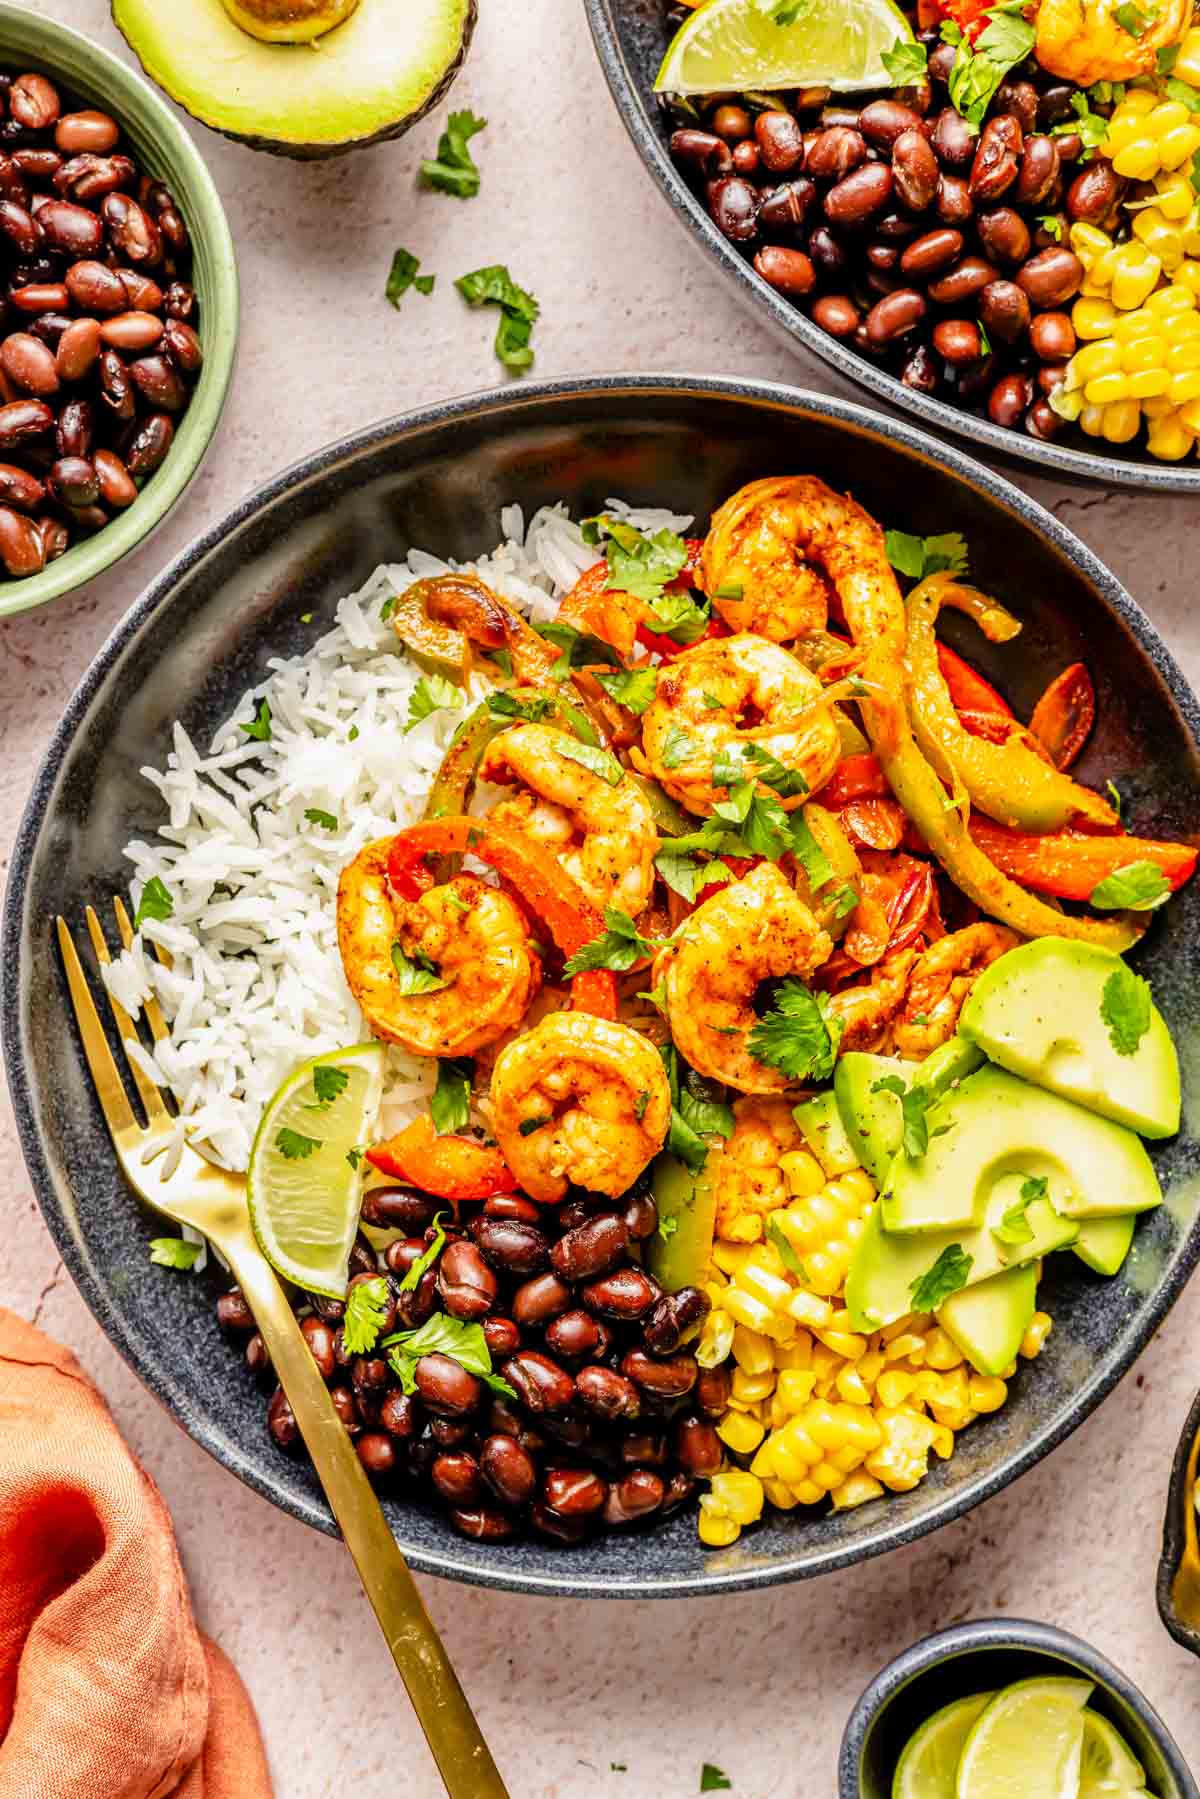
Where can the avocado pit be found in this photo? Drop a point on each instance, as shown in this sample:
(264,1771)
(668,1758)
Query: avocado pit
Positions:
(288,21)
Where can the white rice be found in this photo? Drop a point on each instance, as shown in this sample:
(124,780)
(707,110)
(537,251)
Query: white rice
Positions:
(256,982)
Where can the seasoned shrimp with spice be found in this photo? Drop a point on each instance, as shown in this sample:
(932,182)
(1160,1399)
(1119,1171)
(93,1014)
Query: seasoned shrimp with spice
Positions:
(752,1174)
(754,930)
(743,702)
(939,984)
(755,565)
(579,1100)
(1084,40)
(599,825)
(441,975)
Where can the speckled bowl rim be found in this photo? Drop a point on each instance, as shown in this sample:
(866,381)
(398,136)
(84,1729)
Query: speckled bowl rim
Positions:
(1049,457)
(508,404)
(998,1633)
(136,104)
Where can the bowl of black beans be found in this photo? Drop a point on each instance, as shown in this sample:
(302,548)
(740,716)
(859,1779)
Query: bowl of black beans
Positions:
(928,257)
(118,319)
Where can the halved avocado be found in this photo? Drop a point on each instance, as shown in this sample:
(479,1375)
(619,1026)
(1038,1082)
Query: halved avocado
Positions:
(371,76)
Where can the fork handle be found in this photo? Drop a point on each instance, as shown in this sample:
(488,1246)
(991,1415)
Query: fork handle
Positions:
(455,1739)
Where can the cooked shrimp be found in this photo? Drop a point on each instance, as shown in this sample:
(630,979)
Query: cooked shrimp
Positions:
(940,983)
(866,1011)
(723,696)
(579,1100)
(1083,40)
(474,937)
(753,930)
(603,835)
(749,1181)
(755,567)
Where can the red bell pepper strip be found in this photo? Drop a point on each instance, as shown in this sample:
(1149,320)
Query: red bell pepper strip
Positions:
(568,914)
(968,689)
(448,1167)
(1065,714)
(855,778)
(1070,864)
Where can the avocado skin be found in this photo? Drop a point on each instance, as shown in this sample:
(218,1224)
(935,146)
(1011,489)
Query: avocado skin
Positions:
(322,152)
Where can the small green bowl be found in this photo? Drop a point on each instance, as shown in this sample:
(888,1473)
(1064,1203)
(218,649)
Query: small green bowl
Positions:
(162,148)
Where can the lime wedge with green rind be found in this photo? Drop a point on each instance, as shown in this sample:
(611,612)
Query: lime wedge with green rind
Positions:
(1109,1769)
(734,45)
(1028,1740)
(929,1762)
(303,1182)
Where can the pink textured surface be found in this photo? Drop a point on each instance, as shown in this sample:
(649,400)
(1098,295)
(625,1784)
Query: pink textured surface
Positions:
(563,1690)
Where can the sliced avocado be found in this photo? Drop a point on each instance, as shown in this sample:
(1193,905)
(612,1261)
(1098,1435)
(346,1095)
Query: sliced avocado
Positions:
(678,1252)
(370,77)
(1039,1011)
(884,1267)
(1103,1243)
(994,1127)
(820,1121)
(951,1061)
(988,1320)
(873,1121)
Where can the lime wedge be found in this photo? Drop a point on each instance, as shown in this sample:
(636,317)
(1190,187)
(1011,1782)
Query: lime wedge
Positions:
(929,1763)
(1109,1769)
(736,44)
(1029,1740)
(303,1181)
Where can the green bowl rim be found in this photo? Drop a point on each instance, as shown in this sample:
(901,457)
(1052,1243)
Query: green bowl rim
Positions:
(133,95)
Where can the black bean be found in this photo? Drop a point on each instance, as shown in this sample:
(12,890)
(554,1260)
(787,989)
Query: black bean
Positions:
(281,1420)
(636,1495)
(953,140)
(455,1474)
(963,282)
(377,1453)
(508,1469)
(445,1386)
(837,314)
(780,141)
(574,1492)
(671,1316)
(467,1285)
(319,1337)
(510,1246)
(1003,234)
(574,1334)
(957,340)
(1052,336)
(501,1336)
(591,1248)
(895,316)
(837,150)
(1039,170)
(863,191)
(664,1379)
(1009,399)
(233,1314)
(625,1293)
(702,150)
(607,1393)
(789,271)
(997,160)
(1004,309)
(733,204)
(783,209)
(512,1205)
(914,170)
(1051,277)
(697,1445)
(1094,192)
(540,1383)
(540,1299)
(398,1414)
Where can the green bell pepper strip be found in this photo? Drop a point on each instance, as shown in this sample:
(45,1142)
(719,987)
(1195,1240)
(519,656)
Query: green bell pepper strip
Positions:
(679,1252)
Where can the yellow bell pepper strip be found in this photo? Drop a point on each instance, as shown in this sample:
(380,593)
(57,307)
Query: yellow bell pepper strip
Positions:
(1009,781)
(876,617)
(535,875)
(1063,717)
(1073,863)
(448,1167)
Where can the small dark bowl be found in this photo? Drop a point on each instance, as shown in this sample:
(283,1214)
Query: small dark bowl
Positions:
(1178,1595)
(631,37)
(203,633)
(971,1658)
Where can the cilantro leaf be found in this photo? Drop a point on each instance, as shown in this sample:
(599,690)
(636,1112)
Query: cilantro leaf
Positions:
(1006,40)
(326,820)
(1014,1227)
(798,1036)
(787,1254)
(632,688)
(951,1271)
(914,1104)
(531,712)
(844,900)
(403,274)
(701,1108)
(1092,127)
(684,1142)
(260,725)
(917,557)
(441,1335)
(450,1107)
(1184,93)
(619,948)
(641,565)
(1126,1008)
(528,1126)
(366,1309)
(1138,887)
(174,1252)
(1051,223)
(712,1780)
(432,693)
(599,762)
(685,874)
(577,647)
(416,976)
(454,171)
(329,1082)
(494,286)
(354,1157)
(425,1261)
(1132,19)
(906,63)
(1165,58)
(810,855)
(679,748)
(294,1145)
(155,902)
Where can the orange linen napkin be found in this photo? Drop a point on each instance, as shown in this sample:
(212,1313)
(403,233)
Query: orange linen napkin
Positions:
(107,1689)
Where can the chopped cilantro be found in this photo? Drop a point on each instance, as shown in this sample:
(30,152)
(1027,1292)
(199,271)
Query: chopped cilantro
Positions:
(599,762)
(1126,1008)
(294,1145)
(632,688)
(174,1252)
(416,976)
(1165,59)
(1014,1227)
(576,647)
(454,171)
(532,712)
(260,726)
(1006,40)
(403,274)
(494,286)
(1092,127)
(1137,887)
(366,1309)
(432,693)
(450,1107)
(798,1035)
(712,1780)
(843,900)
(425,1261)
(951,1271)
(326,820)
(329,1083)
(528,1126)
(1051,223)
(442,1335)
(619,948)
(155,903)
(787,1254)
(1132,19)
(906,62)
(917,557)
(668,1227)
(810,855)
(914,1104)
(354,1157)
(679,748)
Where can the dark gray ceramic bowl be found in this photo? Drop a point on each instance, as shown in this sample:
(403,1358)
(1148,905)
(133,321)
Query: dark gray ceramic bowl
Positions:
(972,1658)
(204,631)
(1179,1541)
(630,38)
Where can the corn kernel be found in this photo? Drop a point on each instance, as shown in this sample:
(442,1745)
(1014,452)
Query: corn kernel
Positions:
(1089,242)
(796,1354)
(909,1344)
(826,1271)
(1187,62)
(846,1459)
(1178,297)
(943,1442)
(808,1492)
(1091,420)
(856,1489)
(780,1495)
(847,1344)
(1138,159)
(740,1432)
(851,1387)
(985,1393)
(1120,422)
(1157,408)
(927,1386)
(807,1309)
(1184,357)
(826,1476)
(777,1417)
(1146,384)
(941,1352)
(788,1464)
(1176,196)
(1144,353)
(1169,439)
(1103,358)
(714,1529)
(752,1351)
(1165,240)
(871,1366)
(795,1388)
(1106,388)
(739,1494)
(802,1172)
(716,1338)
(1093,318)
(762,1465)
(894,1387)
(1136,103)
(752,1387)
(1178,146)
(731,1258)
(748,1310)
(1135,276)
(771,1289)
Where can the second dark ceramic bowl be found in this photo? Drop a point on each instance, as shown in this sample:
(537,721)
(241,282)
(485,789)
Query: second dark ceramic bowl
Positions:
(973,1658)
(1179,1567)
(630,38)
(264,582)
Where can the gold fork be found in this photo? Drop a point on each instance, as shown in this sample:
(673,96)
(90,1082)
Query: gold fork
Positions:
(196,1192)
